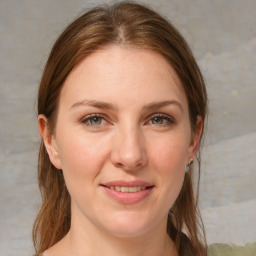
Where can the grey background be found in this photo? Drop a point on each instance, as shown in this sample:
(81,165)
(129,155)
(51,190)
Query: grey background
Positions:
(222,34)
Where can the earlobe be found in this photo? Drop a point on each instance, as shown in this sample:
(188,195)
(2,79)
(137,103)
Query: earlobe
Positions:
(49,141)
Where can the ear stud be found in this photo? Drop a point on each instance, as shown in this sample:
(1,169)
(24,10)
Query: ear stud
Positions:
(188,165)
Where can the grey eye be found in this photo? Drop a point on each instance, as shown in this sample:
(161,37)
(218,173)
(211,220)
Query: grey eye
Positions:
(93,120)
(96,120)
(161,120)
(158,120)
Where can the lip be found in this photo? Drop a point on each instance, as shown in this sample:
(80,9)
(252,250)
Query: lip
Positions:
(123,183)
(126,197)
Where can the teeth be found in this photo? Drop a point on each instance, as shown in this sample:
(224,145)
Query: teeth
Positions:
(128,189)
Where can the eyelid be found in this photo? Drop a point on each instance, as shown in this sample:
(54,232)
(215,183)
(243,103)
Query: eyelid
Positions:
(92,115)
(84,119)
(169,118)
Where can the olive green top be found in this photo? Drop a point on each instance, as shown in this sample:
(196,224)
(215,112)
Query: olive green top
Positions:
(227,250)
(232,250)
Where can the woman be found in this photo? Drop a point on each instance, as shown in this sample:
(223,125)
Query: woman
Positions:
(121,110)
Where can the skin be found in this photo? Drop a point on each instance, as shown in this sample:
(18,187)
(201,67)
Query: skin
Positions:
(133,138)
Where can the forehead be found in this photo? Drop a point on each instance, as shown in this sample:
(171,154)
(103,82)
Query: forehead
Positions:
(116,73)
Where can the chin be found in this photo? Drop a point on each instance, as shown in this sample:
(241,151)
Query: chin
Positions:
(128,225)
(128,231)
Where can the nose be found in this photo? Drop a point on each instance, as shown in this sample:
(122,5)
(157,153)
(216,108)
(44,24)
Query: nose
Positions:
(129,150)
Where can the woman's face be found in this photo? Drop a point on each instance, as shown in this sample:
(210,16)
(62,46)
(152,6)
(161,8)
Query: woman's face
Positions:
(122,139)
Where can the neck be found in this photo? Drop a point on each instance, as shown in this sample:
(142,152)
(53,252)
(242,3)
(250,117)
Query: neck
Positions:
(103,244)
(84,238)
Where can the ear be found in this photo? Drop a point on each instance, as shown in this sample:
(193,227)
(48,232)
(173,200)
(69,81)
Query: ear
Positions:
(195,139)
(49,141)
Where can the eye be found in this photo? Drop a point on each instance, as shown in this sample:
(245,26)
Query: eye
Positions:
(93,120)
(161,119)
(158,120)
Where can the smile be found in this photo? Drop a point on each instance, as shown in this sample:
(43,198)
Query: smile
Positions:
(128,192)
(127,189)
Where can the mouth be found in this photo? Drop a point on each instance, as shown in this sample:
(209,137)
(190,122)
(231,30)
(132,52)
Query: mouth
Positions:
(130,189)
(128,192)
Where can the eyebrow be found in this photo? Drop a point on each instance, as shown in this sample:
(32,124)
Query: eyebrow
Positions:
(161,104)
(93,103)
(105,105)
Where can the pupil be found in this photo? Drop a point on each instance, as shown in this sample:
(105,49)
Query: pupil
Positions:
(95,120)
(158,120)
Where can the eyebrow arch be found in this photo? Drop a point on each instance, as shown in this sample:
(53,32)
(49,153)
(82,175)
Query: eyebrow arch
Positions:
(105,105)
(93,103)
(156,105)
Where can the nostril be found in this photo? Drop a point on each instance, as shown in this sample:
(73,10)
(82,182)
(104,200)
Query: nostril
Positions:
(128,166)
(119,165)
(128,157)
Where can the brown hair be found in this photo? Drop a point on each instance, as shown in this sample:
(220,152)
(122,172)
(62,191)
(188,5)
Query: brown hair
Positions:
(126,24)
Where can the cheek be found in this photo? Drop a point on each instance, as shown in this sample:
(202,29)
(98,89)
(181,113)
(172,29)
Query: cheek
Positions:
(81,156)
(82,161)
(170,155)
(169,162)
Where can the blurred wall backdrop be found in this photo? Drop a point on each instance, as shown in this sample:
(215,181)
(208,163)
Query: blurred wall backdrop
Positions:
(222,35)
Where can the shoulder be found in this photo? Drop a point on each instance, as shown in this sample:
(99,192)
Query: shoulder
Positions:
(232,250)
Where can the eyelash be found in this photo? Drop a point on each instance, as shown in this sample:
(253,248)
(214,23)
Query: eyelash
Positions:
(87,118)
(168,120)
